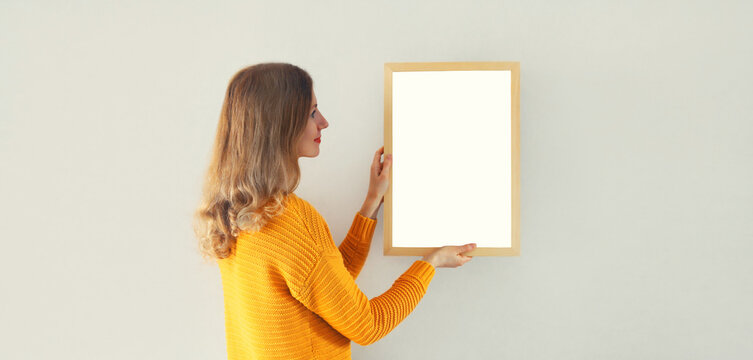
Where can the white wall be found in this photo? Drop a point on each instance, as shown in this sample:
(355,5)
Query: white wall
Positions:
(636,172)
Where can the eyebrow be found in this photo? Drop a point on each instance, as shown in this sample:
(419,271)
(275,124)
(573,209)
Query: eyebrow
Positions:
(315,105)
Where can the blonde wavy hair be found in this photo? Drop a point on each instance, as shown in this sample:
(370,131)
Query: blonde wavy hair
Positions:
(254,161)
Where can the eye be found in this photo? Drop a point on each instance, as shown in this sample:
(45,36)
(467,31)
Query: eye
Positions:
(312,114)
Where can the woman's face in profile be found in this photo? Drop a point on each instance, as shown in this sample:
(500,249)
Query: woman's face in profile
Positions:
(308,145)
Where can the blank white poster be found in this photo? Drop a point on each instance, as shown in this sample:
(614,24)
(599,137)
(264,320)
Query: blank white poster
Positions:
(451,177)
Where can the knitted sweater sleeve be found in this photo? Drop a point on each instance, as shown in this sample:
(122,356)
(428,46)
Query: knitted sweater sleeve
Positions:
(330,291)
(355,247)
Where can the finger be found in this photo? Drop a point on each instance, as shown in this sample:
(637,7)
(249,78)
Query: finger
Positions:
(387,160)
(375,164)
(386,168)
(377,157)
(467,247)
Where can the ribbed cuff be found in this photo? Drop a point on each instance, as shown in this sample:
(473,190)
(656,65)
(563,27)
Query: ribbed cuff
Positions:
(363,226)
(421,270)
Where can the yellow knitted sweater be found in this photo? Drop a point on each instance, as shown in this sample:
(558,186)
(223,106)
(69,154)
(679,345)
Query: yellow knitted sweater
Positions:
(290,292)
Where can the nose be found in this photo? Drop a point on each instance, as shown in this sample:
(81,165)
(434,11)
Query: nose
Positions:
(326,124)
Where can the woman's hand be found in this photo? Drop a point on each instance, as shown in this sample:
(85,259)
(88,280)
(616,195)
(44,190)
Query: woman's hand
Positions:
(379,180)
(450,256)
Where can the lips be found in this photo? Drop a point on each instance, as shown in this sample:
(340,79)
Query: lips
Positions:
(319,139)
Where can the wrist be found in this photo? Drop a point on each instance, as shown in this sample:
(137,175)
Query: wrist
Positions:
(429,260)
(372,198)
(370,207)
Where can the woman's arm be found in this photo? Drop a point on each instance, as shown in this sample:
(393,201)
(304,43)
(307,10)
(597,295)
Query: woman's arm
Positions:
(357,243)
(370,207)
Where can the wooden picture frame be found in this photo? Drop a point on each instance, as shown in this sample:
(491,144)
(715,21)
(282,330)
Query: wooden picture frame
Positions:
(454,131)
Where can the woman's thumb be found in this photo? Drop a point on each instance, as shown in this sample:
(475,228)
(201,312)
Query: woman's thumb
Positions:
(387,163)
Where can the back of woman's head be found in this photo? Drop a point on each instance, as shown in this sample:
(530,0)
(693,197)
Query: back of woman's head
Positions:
(254,161)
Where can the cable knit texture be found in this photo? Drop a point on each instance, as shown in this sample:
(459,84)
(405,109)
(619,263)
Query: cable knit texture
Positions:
(290,292)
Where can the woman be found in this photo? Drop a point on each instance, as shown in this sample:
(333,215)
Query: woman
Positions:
(289,291)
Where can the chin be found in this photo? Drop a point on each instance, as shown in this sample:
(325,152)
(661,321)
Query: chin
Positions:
(312,153)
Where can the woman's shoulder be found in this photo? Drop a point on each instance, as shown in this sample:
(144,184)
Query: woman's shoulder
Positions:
(299,213)
(290,217)
(309,218)
(286,241)
(301,206)
(292,226)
